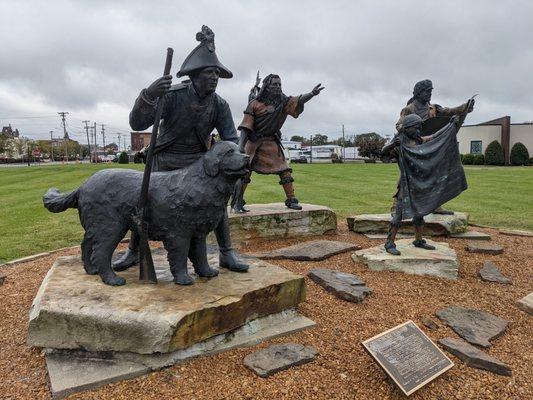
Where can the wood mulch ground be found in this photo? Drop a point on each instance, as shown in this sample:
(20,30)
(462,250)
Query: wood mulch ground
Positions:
(343,369)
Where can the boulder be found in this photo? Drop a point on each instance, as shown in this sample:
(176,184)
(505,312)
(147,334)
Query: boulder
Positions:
(526,303)
(343,285)
(441,262)
(490,273)
(279,357)
(315,250)
(476,327)
(484,248)
(435,224)
(474,357)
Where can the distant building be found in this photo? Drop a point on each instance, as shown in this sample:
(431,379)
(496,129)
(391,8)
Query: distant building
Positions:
(324,153)
(139,140)
(291,145)
(8,132)
(474,139)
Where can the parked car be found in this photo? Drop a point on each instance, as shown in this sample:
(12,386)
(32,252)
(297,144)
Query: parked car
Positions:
(299,159)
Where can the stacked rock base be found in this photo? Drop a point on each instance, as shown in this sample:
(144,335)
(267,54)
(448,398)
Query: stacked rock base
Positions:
(276,221)
(95,334)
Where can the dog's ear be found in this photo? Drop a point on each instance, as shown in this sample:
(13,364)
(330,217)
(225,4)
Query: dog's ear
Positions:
(211,163)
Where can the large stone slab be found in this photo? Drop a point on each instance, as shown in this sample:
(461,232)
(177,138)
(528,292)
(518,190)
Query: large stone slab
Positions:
(315,250)
(473,357)
(526,303)
(441,262)
(382,236)
(512,232)
(275,221)
(490,273)
(476,327)
(471,235)
(343,285)
(70,375)
(436,224)
(279,357)
(73,310)
(484,248)
(72,371)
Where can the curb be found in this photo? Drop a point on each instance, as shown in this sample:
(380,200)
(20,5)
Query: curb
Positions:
(45,254)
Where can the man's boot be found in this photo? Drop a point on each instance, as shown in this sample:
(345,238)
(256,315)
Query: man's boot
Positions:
(227,257)
(390,246)
(286,181)
(419,242)
(130,257)
(237,200)
(442,211)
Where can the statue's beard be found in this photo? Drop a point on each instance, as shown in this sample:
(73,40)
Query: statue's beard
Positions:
(423,100)
(271,98)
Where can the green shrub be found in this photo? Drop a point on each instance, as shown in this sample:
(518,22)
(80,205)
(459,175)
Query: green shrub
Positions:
(479,159)
(494,154)
(468,159)
(137,158)
(461,157)
(531,161)
(123,158)
(519,154)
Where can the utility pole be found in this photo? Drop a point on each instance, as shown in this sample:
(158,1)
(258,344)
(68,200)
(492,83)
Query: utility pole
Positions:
(343,144)
(65,134)
(103,135)
(119,135)
(88,141)
(311,159)
(52,145)
(95,144)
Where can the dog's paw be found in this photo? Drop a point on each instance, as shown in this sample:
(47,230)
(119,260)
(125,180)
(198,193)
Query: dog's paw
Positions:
(114,280)
(91,271)
(183,279)
(206,272)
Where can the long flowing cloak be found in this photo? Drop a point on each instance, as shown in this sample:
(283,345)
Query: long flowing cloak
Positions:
(431,173)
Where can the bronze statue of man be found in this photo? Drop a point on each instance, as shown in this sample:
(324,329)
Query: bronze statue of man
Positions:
(420,105)
(431,174)
(191,111)
(261,136)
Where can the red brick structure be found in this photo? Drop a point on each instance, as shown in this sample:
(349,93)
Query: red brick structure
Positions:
(140,140)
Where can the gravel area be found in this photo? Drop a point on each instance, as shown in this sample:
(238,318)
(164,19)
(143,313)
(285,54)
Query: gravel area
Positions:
(343,370)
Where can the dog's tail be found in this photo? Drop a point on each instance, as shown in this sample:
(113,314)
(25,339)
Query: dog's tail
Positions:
(55,201)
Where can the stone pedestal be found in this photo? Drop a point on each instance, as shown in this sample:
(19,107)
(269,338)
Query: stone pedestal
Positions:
(276,221)
(435,224)
(441,262)
(131,329)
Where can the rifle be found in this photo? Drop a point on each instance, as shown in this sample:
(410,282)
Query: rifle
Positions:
(146,269)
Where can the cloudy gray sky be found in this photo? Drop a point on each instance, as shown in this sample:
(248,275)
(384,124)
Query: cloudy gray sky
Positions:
(91,58)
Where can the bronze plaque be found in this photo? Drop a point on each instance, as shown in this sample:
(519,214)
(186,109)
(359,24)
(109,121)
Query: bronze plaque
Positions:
(408,356)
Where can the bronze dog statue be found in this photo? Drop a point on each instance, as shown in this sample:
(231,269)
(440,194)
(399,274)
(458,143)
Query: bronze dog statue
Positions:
(183,207)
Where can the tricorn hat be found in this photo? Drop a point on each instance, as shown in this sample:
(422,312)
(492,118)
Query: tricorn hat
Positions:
(204,55)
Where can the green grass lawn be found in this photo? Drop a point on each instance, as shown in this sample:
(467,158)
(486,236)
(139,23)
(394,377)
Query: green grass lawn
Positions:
(497,196)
